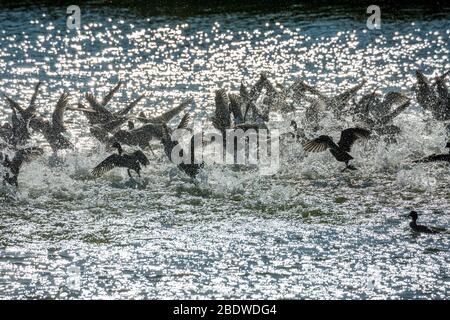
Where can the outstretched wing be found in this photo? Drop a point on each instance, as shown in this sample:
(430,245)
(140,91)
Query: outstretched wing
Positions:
(141,157)
(303,86)
(111,93)
(350,135)
(441,88)
(345,97)
(13,104)
(184,121)
(95,105)
(90,114)
(256,89)
(421,79)
(140,136)
(221,119)
(243,91)
(235,106)
(19,128)
(58,113)
(423,90)
(106,165)
(396,112)
(391,98)
(169,115)
(319,144)
(130,106)
(32,106)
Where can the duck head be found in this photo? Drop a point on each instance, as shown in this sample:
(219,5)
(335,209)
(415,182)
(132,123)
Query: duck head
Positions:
(413,215)
(117,146)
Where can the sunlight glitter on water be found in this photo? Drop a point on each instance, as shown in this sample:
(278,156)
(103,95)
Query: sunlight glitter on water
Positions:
(307,232)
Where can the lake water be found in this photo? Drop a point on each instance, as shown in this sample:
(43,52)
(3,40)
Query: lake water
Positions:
(307,232)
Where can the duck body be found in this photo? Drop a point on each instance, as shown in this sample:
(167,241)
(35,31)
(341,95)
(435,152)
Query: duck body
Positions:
(434,98)
(341,155)
(420,228)
(14,165)
(192,168)
(51,130)
(340,151)
(436,157)
(131,161)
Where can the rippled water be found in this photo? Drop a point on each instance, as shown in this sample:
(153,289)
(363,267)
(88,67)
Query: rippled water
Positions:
(309,231)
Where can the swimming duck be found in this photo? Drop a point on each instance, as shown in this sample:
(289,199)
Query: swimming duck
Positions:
(420,228)
(131,161)
(436,157)
(341,150)
(14,165)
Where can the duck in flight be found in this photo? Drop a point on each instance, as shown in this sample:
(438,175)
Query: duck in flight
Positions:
(433,97)
(52,130)
(15,133)
(436,157)
(420,228)
(338,104)
(151,129)
(192,168)
(28,114)
(376,110)
(249,97)
(131,161)
(340,150)
(14,164)
(102,120)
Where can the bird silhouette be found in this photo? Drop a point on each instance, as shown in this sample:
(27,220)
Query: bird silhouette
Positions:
(340,150)
(131,161)
(14,165)
(420,228)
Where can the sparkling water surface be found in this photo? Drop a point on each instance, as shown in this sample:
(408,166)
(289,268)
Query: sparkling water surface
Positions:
(307,232)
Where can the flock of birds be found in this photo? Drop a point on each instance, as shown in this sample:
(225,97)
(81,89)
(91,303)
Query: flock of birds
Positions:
(250,108)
